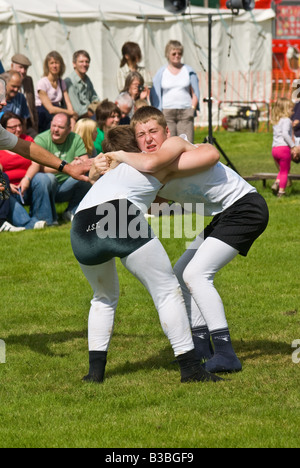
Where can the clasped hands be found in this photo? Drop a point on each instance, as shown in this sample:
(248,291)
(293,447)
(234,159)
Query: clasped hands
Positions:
(103,163)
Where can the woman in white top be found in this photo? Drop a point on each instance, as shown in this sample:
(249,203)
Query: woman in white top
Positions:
(110,223)
(51,93)
(176,92)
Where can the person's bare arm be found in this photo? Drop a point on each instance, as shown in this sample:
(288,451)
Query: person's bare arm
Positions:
(53,109)
(170,150)
(179,158)
(34,152)
(26,181)
(198,160)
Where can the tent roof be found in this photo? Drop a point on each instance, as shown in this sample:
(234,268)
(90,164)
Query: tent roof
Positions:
(78,9)
(35,10)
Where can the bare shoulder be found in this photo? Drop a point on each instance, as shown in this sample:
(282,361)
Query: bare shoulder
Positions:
(177,142)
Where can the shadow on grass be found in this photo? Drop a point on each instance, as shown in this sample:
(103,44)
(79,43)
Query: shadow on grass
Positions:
(259,348)
(41,343)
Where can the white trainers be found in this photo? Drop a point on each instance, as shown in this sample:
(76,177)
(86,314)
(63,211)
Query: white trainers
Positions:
(7,227)
(40,225)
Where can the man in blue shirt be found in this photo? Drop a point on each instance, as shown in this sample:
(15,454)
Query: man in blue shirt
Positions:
(16,102)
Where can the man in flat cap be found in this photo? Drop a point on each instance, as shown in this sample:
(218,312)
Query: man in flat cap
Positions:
(21,63)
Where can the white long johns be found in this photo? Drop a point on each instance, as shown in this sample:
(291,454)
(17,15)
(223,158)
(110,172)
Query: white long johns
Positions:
(151,266)
(196,270)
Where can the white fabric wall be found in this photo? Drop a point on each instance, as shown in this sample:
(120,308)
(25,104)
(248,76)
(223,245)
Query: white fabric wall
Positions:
(34,28)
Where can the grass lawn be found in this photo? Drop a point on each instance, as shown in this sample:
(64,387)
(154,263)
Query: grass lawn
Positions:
(142,404)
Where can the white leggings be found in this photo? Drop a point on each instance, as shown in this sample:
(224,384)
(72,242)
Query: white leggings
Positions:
(196,270)
(151,265)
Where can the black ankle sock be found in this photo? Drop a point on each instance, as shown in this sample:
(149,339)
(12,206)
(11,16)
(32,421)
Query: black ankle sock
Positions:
(201,339)
(191,370)
(97,361)
(222,341)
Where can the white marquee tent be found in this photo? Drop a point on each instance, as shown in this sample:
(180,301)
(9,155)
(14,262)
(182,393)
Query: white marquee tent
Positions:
(34,27)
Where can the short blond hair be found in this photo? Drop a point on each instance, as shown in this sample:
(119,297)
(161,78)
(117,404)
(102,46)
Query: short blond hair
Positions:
(173,45)
(146,113)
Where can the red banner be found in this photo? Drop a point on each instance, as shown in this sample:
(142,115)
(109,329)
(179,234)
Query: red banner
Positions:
(262,4)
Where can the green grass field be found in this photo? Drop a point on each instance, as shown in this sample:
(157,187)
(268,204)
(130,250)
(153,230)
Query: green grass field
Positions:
(142,404)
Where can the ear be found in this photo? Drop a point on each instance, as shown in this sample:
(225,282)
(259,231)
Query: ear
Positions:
(168,133)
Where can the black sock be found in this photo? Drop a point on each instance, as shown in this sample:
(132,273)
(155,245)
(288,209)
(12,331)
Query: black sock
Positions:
(201,339)
(192,371)
(2,221)
(222,341)
(97,361)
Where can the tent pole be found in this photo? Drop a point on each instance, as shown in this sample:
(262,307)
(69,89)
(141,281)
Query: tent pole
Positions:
(210,138)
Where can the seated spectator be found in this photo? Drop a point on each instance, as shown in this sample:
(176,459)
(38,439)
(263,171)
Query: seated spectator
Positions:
(108,115)
(21,63)
(51,95)
(131,57)
(80,88)
(87,130)
(125,103)
(27,185)
(134,86)
(69,147)
(92,110)
(5,225)
(15,101)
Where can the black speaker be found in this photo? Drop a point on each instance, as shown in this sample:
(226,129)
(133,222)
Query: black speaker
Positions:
(176,6)
(240,4)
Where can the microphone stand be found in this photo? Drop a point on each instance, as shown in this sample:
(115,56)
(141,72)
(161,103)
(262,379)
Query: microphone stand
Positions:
(210,138)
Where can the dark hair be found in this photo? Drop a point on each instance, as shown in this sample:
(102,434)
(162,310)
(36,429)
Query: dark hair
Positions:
(133,50)
(105,109)
(81,52)
(120,138)
(10,115)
